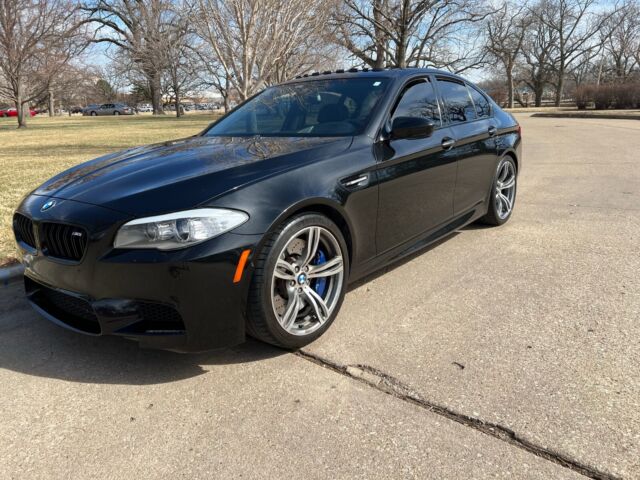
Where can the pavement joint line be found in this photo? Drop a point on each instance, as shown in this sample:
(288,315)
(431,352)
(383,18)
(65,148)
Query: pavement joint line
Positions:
(385,383)
(577,205)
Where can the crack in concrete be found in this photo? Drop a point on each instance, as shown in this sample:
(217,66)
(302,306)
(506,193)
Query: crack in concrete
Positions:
(387,384)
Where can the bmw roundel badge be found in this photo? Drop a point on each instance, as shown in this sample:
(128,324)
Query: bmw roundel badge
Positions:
(50,204)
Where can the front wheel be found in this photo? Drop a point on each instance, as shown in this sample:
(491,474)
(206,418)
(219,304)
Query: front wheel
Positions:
(116,113)
(299,282)
(503,193)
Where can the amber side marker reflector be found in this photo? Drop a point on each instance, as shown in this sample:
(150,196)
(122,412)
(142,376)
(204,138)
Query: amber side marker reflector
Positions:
(241,264)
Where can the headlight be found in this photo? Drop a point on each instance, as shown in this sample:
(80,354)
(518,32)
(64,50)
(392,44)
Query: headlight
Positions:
(178,230)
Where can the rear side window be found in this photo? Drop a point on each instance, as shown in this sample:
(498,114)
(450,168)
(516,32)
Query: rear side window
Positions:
(483,110)
(457,102)
(419,100)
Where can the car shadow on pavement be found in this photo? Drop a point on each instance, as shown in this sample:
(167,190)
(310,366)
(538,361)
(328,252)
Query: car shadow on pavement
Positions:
(31,345)
(402,261)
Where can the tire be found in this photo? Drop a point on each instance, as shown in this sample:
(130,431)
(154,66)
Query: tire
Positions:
(94,114)
(116,113)
(283,308)
(503,193)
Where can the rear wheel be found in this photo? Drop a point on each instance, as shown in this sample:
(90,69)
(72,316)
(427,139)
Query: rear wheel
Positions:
(116,113)
(299,282)
(503,193)
(93,114)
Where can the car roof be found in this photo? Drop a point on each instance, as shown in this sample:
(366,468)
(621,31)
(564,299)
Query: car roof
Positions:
(372,73)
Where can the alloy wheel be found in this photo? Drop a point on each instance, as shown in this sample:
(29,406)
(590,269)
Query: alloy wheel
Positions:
(307,280)
(505,189)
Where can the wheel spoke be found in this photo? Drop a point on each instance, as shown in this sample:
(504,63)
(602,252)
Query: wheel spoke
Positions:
(313,240)
(291,313)
(507,183)
(504,172)
(318,304)
(284,270)
(506,201)
(326,269)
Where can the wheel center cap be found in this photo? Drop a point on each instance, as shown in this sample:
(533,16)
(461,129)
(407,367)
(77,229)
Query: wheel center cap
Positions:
(302,278)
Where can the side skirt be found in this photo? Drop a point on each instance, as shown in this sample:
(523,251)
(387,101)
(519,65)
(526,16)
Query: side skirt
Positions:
(417,243)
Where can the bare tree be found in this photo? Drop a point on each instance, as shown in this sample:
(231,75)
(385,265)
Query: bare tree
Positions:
(139,28)
(506,30)
(182,61)
(575,25)
(402,33)
(537,71)
(620,37)
(258,42)
(37,39)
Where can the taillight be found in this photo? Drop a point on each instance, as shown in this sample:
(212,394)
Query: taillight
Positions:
(519,130)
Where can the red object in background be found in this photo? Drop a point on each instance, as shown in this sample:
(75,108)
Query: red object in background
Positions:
(12,112)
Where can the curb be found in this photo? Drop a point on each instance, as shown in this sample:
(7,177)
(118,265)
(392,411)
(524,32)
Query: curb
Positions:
(587,115)
(11,274)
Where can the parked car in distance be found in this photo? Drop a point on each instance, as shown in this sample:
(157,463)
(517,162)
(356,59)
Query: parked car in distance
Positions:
(257,225)
(89,108)
(13,112)
(145,108)
(108,109)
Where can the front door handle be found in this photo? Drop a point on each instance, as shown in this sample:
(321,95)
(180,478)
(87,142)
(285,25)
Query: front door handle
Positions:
(356,181)
(448,143)
(492,131)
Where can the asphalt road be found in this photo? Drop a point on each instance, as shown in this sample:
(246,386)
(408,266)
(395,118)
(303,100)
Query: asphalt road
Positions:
(509,352)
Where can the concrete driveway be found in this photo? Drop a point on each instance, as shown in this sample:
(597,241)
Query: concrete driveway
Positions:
(508,352)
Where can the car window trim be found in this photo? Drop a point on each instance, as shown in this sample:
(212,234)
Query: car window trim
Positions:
(446,78)
(409,82)
(470,86)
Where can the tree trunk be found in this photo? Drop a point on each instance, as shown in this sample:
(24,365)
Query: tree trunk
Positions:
(510,88)
(156,94)
(538,92)
(52,104)
(380,40)
(225,98)
(559,89)
(177,103)
(20,105)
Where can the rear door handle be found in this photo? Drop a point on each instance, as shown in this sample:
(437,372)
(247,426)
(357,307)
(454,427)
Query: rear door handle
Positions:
(357,181)
(448,143)
(492,131)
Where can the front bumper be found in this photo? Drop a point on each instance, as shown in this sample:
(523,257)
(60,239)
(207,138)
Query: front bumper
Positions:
(183,300)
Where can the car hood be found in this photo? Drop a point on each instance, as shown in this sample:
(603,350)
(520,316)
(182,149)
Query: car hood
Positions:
(184,173)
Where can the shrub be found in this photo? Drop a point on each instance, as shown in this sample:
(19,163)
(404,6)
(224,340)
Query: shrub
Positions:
(626,95)
(603,96)
(584,96)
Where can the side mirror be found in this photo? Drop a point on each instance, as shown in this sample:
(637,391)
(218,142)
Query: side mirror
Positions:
(411,128)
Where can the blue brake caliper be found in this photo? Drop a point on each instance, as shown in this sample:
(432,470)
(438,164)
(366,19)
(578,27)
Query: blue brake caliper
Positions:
(320,284)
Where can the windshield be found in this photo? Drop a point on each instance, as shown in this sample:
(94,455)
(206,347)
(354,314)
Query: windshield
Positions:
(319,108)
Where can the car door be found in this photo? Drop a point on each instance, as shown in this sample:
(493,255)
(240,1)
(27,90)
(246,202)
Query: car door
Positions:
(106,109)
(416,176)
(474,131)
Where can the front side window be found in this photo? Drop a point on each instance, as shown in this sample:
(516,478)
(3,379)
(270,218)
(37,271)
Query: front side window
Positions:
(419,100)
(316,108)
(483,109)
(457,102)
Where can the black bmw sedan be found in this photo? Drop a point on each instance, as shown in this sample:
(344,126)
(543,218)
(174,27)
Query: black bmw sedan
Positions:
(258,224)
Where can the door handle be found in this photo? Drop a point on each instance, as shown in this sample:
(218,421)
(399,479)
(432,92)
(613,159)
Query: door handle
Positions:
(448,143)
(492,131)
(358,181)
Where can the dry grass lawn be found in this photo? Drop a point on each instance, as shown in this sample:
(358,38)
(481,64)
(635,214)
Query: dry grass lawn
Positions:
(49,145)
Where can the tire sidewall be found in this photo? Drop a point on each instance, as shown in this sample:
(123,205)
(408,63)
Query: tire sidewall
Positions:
(292,227)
